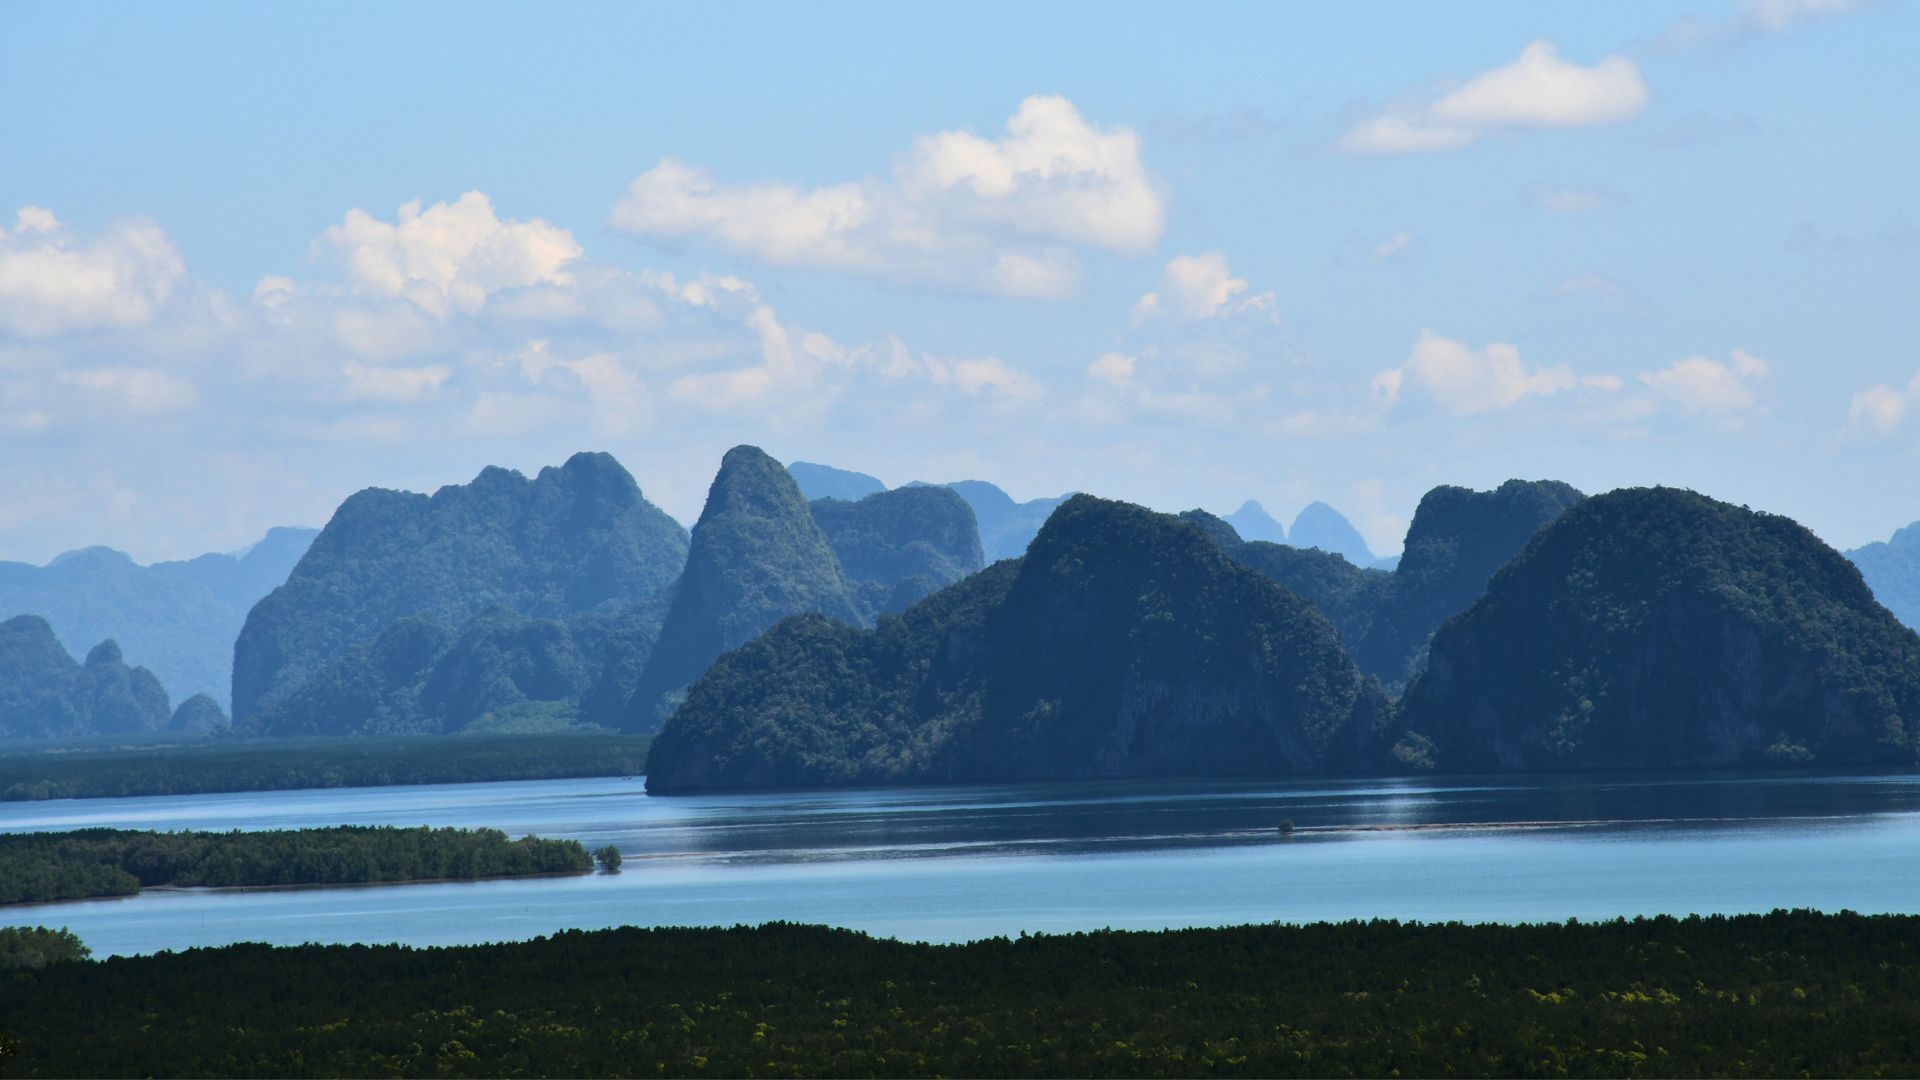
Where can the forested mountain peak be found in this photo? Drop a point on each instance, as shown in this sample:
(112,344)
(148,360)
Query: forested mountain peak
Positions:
(1892,570)
(1318,525)
(756,556)
(896,547)
(579,537)
(1655,628)
(1252,522)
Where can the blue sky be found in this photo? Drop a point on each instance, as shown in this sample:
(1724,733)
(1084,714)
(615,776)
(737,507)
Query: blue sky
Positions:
(1386,247)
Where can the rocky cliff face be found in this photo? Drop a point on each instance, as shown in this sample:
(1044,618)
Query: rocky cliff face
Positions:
(578,538)
(1125,643)
(756,557)
(897,547)
(44,694)
(1659,629)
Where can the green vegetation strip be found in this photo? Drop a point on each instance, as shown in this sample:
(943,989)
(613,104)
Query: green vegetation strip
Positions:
(1782,994)
(38,867)
(279,765)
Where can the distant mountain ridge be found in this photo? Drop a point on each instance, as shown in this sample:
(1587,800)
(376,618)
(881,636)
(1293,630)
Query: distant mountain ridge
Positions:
(1892,571)
(574,539)
(178,619)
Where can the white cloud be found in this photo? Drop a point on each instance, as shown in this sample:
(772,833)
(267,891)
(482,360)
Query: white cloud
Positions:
(1393,245)
(1538,90)
(371,382)
(450,256)
(999,215)
(1465,381)
(54,282)
(975,376)
(1114,369)
(141,390)
(1700,385)
(1881,409)
(1194,287)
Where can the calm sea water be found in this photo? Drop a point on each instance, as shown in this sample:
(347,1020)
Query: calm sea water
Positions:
(952,864)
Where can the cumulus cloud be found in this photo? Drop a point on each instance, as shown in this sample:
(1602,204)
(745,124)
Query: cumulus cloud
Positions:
(54,281)
(1699,385)
(1538,90)
(1114,369)
(1882,408)
(1004,215)
(448,257)
(1465,381)
(1194,287)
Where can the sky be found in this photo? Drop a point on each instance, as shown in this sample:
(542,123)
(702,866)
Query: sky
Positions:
(255,257)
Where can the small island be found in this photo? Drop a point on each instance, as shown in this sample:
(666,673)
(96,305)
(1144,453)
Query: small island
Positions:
(90,863)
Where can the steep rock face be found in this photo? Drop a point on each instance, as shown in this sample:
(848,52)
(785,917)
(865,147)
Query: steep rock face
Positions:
(1252,522)
(1458,538)
(1892,570)
(1124,643)
(1318,525)
(44,694)
(177,618)
(1006,527)
(756,557)
(826,482)
(1660,629)
(898,547)
(574,539)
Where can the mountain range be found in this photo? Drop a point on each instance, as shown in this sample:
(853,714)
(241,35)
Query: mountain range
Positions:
(178,619)
(46,694)
(1644,629)
(1892,570)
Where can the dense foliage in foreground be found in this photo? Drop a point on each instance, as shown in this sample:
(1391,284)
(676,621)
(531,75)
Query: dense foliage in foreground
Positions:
(1782,994)
(119,862)
(284,765)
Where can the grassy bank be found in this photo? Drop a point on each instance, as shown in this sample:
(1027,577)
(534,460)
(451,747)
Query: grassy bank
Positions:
(1781,994)
(96,769)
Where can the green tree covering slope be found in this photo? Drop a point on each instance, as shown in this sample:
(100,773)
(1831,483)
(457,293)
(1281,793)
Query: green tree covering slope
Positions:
(40,867)
(501,671)
(897,547)
(1892,570)
(178,619)
(1656,629)
(577,538)
(756,557)
(1785,994)
(1457,540)
(1125,643)
(44,694)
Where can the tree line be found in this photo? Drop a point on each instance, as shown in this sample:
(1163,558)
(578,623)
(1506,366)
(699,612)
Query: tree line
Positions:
(38,867)
(1791,993)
